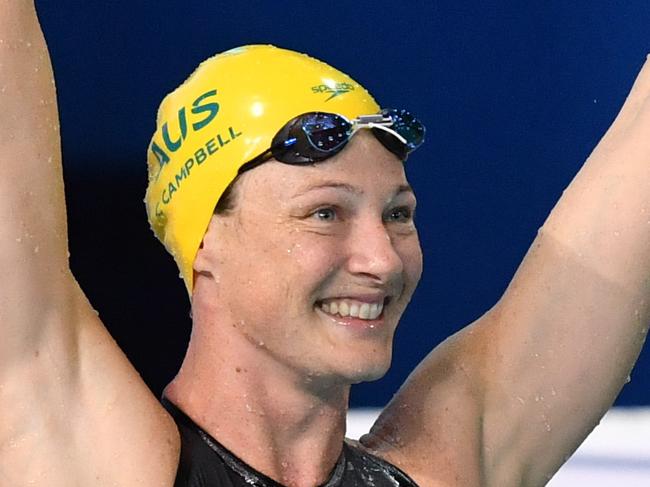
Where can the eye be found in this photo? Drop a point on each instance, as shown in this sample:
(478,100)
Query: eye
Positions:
(401,214)
(326,214)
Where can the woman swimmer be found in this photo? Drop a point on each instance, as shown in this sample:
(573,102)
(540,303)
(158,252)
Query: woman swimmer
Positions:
(297,283)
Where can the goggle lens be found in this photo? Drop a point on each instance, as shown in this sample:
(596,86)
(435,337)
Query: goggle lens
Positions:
(407,126)
(326,132)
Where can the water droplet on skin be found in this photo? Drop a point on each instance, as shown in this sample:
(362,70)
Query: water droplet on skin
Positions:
(19,239)
(37,249)
(617,234)
(521,400)
(553,392)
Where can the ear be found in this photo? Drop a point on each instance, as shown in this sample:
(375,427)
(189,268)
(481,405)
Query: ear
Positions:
(206,257)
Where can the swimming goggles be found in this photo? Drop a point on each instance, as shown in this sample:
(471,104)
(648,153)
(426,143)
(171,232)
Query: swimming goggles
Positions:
(316,136)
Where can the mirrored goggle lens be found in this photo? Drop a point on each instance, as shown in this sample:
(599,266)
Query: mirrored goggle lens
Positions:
(326,132)
(311,137)
(407,126)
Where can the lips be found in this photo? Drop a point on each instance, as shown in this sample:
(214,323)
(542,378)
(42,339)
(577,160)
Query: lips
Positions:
(346,307)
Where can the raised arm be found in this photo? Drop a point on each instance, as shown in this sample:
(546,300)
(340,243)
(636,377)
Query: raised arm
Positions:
(516,392)
(74,412)
(33,248)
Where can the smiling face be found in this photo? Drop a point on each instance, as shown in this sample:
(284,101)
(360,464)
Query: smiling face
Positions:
(315,264)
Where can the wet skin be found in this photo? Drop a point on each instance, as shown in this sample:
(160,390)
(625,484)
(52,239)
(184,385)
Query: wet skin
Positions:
(300,236)
(76,412)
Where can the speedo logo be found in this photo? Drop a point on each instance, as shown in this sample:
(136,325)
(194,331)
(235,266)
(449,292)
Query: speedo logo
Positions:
(335,90)
(203,110)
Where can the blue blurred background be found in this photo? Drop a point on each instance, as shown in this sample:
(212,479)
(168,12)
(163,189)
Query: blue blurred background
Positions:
(515,95)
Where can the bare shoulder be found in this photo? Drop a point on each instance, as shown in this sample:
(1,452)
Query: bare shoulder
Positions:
(76,412)
(432,429)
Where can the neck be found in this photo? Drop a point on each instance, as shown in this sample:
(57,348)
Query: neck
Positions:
(284,423)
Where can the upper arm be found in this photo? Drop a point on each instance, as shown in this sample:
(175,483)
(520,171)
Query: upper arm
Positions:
(75,412)
(568,330)
(33,247)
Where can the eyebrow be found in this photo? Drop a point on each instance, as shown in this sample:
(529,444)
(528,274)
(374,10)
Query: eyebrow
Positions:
(402,188)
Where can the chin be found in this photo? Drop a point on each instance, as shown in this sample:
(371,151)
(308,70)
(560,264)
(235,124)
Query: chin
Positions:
(369,372)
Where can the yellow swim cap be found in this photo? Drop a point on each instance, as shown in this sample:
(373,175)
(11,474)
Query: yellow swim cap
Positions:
(225,114)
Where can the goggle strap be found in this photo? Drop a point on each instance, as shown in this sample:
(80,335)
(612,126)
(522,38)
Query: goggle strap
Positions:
(256,161)
(390,131)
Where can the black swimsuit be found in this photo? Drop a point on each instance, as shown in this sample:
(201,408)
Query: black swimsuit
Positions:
(205,462)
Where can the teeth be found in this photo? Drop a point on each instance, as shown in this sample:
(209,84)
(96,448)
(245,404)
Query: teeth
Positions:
(375,310)
(364,311)
(354,309)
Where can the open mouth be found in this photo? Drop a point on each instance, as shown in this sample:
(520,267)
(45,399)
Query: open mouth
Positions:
(352,308)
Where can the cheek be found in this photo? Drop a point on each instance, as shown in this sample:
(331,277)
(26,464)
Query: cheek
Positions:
(315,256)
(307,254)
(281,267)
(411,254)
(307,268)
(250,269)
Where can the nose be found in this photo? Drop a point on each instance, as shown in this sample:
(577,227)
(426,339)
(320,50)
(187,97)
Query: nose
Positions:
(372,252)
